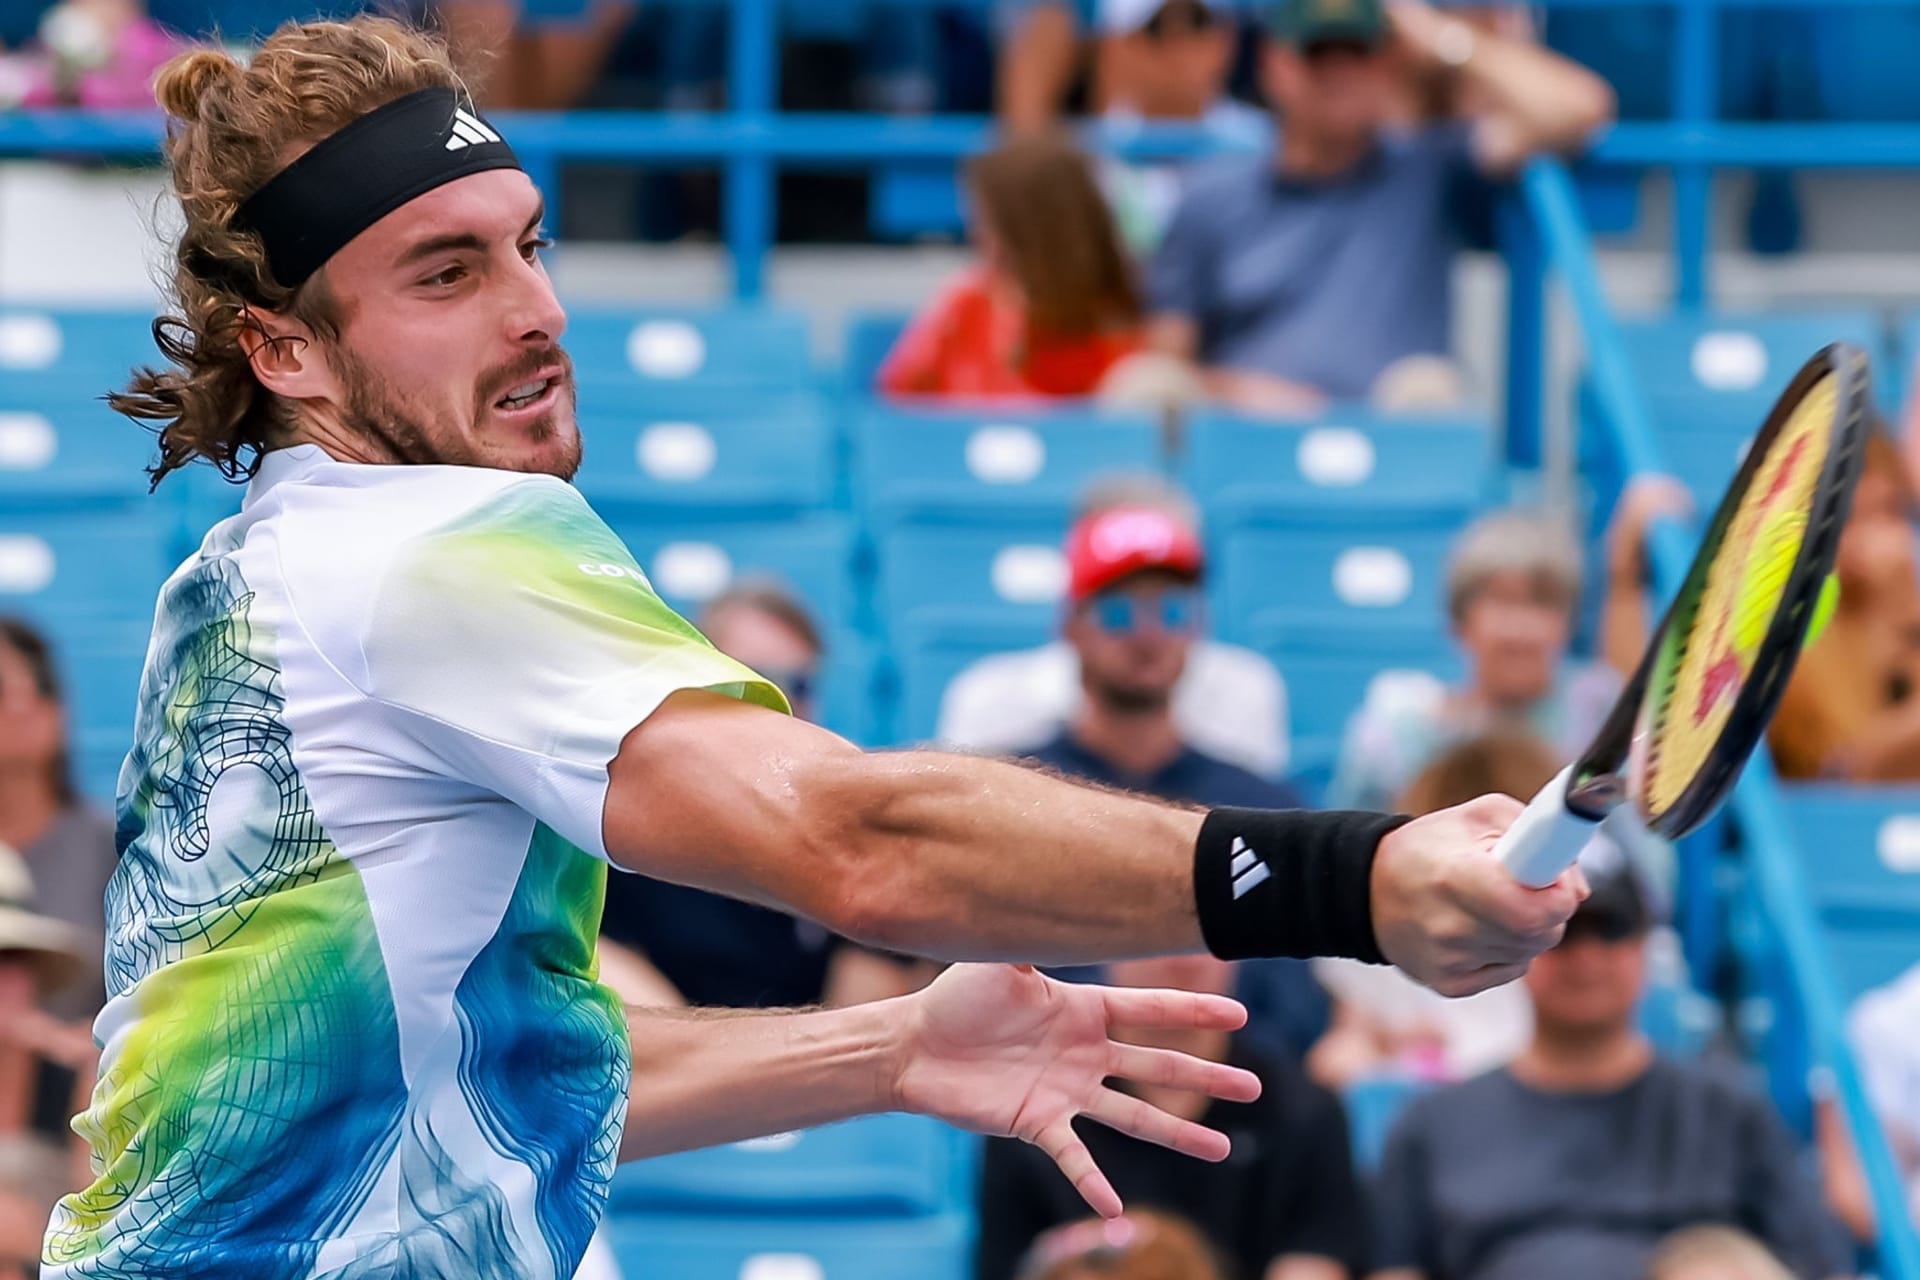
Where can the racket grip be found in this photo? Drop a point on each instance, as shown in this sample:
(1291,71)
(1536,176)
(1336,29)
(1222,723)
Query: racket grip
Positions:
(1547,836)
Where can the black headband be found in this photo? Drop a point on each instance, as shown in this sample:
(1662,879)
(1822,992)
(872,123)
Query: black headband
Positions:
(351,179)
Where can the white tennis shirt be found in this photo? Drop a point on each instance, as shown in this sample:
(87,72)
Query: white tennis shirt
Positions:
(354,1026)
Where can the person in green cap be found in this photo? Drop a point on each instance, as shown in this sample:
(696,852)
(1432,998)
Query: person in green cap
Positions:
(1306,274)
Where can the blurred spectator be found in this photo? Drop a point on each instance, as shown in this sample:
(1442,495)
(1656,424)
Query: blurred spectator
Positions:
(1714,1253)
(1163,61)
(1513,582)
(1849,710)
(1135,613)
(1284,1205)
(1883,1029)
(1051,305)
(533,66)
(1579,1158)
(1228,701)
(1308,273)
(99,54)
(68,847)
(38,1161)
(669,944)
(1143,1245)
(1386,1024)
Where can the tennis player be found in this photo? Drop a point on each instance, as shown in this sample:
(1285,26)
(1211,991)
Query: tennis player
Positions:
(399,713)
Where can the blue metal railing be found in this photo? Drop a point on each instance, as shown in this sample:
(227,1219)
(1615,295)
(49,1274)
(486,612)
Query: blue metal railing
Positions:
(1773,863)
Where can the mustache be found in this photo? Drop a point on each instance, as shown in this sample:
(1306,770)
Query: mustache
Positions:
(497,382)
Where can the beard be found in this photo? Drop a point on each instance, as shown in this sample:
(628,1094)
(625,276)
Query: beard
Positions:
(1124,699)
(374,409)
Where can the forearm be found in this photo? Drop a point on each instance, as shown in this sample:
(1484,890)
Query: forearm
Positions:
(966,858)
(1623,622)
(702,1077)
(1551,103)
(1036,67)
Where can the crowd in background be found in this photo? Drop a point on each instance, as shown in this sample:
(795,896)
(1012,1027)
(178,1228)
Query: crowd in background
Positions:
(1552,1138)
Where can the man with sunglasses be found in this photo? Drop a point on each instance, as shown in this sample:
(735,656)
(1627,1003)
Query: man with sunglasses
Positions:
(1307,273)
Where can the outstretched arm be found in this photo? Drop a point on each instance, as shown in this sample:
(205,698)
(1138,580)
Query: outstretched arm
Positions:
(995,1049)
(957,857)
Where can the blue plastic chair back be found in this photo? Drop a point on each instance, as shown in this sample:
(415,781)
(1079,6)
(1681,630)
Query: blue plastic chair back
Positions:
(1861,846)
(939,576)
(1372,1107)
(691,562)
(638,351)
(870,337)
(1243,471)
(91,349)
(708,1248)
(750,455)
(69,445)
(967,466)
(1276,582)
(884,1166)
(929,657)
(84,561)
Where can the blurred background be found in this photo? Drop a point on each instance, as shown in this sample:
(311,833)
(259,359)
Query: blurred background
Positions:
(1286,402)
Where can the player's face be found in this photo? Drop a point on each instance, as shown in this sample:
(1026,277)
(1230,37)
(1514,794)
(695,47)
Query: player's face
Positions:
(1515,632)
(1133,640)
(449,345)
(1588,985)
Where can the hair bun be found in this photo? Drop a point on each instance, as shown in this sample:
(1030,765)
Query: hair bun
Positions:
(184,82)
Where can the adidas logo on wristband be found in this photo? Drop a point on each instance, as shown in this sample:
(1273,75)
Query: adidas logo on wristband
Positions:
(1248,871)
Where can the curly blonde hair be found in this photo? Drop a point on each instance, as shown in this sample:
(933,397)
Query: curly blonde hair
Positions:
(230,129)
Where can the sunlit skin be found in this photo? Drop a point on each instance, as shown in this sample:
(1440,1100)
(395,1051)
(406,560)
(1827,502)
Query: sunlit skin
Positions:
(1332,100)
(445,307)
(1515,630)
(1587,988)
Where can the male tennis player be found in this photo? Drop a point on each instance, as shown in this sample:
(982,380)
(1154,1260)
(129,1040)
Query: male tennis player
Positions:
(398,711)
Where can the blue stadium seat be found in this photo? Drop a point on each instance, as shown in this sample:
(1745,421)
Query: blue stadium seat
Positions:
(1275,583)
(938,576)
(885,1166)
(636,351)
(690,562)
(1325,688)
(1861,65)
(1242,470)
(1724,370)
(1860,847)
(69,444)
(928,658)
(727,455)
(84,561)
(100,665)
(705,1248)
(1372,1107)
(966,466)
(1864,958)
(96,348)
(870,336)
(97,757)
(851,699)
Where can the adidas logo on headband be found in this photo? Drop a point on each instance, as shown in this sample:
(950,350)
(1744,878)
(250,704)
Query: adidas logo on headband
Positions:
(469,129)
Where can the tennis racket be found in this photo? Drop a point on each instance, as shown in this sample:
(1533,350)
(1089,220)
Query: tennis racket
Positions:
(1675,742)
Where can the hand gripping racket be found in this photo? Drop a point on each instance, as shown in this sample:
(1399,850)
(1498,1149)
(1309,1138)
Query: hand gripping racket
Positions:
(1675,742)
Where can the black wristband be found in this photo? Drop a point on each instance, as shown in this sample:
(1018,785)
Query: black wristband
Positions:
(1288,882)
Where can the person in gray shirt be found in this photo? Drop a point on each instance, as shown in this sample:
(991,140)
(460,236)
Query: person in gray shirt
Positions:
(1306,274)
(1578,1158)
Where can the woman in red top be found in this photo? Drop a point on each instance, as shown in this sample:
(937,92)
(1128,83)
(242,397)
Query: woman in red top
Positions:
(1049,308)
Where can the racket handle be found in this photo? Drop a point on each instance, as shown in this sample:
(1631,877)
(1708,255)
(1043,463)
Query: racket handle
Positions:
(1547,836)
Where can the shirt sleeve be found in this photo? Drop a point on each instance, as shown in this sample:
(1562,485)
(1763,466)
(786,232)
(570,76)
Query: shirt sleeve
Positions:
(917,363)
(518,644)
(1322,1214)
(1782,1206)
(1402,1233)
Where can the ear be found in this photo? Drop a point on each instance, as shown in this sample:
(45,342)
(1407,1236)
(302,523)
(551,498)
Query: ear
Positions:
(285,356)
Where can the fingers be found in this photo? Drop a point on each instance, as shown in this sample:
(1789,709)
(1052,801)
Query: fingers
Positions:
(1167,1069)
(1061,1143)
(1138,1119)
(1171,1010)
(1494,811)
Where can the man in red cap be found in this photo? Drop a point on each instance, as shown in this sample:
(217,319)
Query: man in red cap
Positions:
(1134,614)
